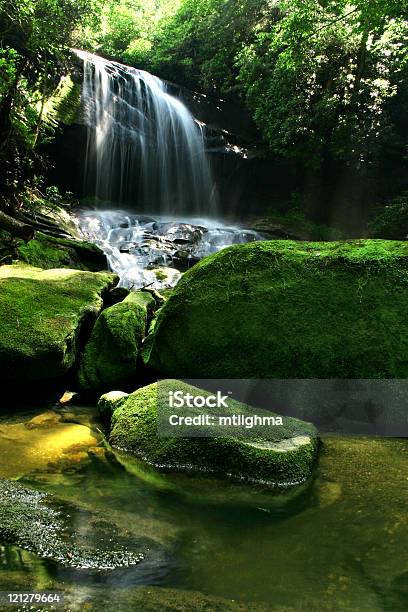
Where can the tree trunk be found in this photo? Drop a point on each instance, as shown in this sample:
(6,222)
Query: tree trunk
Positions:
(16,228)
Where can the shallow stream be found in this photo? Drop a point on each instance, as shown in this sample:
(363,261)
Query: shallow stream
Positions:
(338,543)
(154,250)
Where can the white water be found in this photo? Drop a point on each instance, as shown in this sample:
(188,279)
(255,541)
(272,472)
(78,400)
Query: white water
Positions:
(145,151)
(146,251)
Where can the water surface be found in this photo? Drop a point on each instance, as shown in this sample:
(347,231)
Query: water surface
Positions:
(338,543)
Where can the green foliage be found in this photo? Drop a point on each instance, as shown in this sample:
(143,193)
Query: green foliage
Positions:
(35,40)
(124,29)
(320,80)
(199,43)
(392,220)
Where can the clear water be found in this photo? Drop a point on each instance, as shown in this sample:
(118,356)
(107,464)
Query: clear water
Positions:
(143,145)
(150,251)
(338,543)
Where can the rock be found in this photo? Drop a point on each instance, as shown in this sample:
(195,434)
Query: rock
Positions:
(36,522)
(43,444)
(43,314)
(116,295)
(282,454)
(110,356)
(283,309)
(50,252)
(164,278)
(109,402)
(45,420)
(68,398)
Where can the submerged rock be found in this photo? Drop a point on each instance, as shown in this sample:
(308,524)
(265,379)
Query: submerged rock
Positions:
(36,522)
(283,309)
(42,314)
(283,454)
(45,443)
(110,356)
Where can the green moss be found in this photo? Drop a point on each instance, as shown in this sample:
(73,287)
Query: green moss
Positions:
(64,105)
(282,454)
(110,356)
(283,309)
(49,252)
(143,298)
(42,315)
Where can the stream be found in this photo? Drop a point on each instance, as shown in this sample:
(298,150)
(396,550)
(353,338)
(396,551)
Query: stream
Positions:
(154,251)
(338,543)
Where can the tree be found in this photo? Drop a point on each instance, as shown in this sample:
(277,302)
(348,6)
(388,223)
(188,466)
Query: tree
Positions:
(35,39)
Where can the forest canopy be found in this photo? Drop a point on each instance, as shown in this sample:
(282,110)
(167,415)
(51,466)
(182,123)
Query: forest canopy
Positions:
(325,80)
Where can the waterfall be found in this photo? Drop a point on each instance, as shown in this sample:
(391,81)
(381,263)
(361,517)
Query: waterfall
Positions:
(145,151)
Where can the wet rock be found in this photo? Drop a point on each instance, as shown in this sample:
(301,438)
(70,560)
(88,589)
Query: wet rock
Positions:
(45,420)
(68,398)
(44,443)
(181,233)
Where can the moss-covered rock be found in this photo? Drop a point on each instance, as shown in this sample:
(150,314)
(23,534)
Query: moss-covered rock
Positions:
(110,356)
(283,309)
(42,316)
(49,252)
(282,454)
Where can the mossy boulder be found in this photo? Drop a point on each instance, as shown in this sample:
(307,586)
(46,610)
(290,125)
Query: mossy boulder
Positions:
(42,316)
(282,454)
(110,357)
(283,309)
(49,252)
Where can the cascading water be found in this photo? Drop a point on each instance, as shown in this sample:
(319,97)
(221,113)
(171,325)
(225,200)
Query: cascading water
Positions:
(146,153)
(144,150)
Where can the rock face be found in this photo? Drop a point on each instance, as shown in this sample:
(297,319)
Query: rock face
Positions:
(282,454)
(283,309)
(42,314)
(110,356)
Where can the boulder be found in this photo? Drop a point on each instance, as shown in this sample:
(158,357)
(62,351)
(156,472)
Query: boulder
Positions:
(281,454)
(110,356)
(284,309)
(43,314)
(50,252)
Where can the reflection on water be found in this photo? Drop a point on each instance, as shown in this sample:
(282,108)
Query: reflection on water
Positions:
(339,543)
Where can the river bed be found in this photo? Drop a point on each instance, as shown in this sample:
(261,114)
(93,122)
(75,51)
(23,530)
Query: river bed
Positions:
(338,543)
